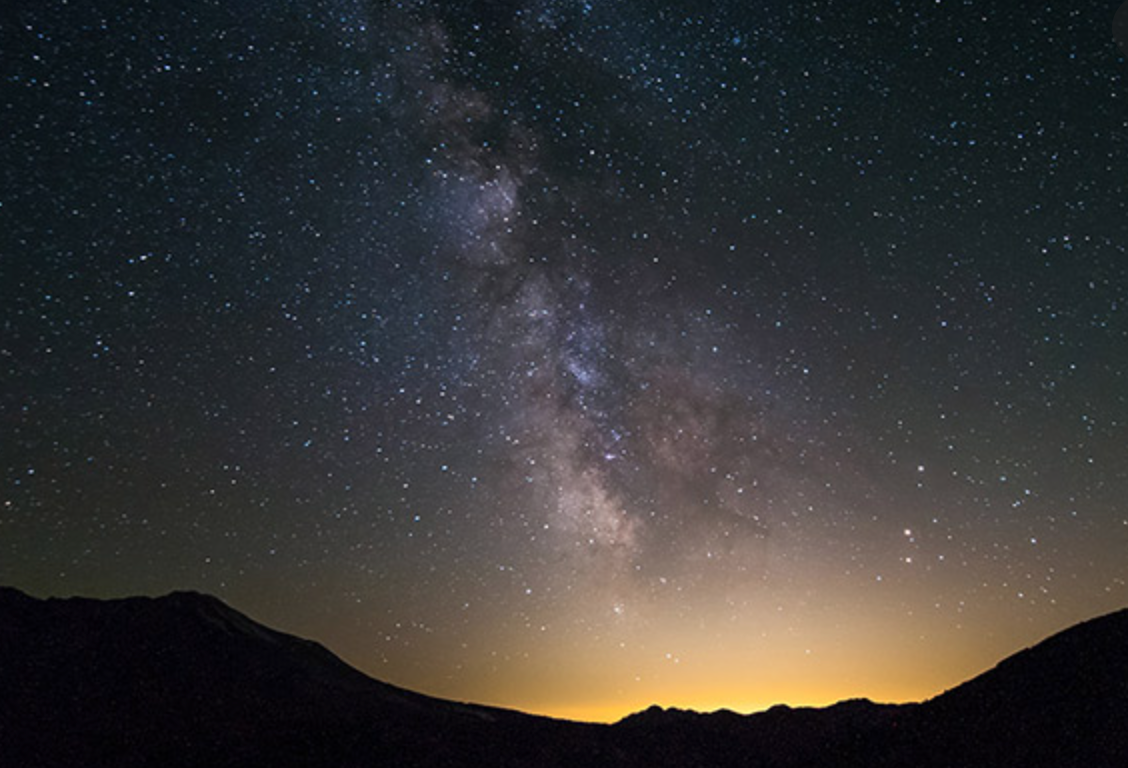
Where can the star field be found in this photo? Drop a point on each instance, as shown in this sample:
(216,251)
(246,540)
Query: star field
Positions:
(575,356)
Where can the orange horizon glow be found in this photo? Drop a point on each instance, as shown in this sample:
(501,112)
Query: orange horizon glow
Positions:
(722,699)
(817,667)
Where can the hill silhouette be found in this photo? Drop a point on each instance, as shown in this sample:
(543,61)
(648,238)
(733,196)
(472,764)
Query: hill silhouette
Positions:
(185,680)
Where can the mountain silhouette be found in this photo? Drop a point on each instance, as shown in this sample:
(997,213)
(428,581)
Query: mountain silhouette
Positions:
(185,680)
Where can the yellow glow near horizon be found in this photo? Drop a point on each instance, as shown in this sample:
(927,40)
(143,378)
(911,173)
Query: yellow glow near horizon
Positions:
(816,668)
(608,652)
(723,698)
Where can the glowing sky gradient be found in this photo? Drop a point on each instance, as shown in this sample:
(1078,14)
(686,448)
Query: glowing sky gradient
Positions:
(575,357)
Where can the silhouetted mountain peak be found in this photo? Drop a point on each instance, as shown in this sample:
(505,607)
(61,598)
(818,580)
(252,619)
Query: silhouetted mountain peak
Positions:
(656,715)
(215,612)
(1074,682)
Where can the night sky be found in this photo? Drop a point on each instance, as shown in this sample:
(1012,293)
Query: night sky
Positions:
(575,356)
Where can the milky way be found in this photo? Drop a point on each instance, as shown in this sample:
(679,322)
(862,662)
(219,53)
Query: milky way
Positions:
(575,356)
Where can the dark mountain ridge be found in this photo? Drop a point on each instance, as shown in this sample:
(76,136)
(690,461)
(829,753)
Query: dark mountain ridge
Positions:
(186,680)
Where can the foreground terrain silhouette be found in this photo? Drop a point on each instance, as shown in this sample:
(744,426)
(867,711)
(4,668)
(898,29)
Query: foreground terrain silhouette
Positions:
(184,680)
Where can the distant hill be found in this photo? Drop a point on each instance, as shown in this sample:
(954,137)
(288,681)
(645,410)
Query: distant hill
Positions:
(184,680)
